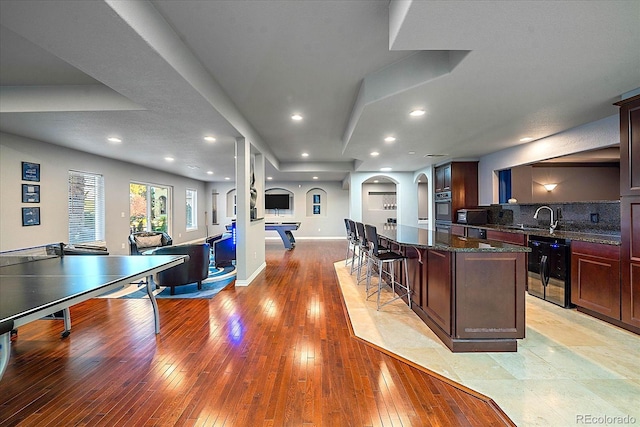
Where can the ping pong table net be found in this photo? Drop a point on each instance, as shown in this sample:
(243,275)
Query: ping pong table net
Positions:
(35,253)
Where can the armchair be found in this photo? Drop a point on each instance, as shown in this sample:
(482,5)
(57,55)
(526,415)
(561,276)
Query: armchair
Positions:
(146,240)
(195,269)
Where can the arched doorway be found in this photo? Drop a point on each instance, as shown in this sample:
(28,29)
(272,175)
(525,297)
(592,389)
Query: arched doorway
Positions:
(423,199)
(379,200)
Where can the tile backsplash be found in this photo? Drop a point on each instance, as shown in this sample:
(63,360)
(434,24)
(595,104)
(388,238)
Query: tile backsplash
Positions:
(588,217)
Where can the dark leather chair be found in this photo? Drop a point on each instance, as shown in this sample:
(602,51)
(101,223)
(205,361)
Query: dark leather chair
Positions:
(195,269)
(148,240)
(224,252)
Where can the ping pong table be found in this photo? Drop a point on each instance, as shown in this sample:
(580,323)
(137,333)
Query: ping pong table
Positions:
(37,282)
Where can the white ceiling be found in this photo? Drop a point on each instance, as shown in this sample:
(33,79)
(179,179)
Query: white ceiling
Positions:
(163,74)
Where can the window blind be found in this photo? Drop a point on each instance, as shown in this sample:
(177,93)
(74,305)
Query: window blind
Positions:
(86,208)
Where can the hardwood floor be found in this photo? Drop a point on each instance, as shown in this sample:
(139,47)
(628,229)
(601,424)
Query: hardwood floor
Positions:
(276,353)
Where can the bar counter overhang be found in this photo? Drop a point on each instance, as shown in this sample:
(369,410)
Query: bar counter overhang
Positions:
(470,292)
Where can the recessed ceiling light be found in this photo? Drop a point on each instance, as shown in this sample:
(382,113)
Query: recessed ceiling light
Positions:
(193,167)
(375,181)
(385,169)
(269,178)
(417,113)
(296,117)
(305,154)
(315,177)
(412,152)
(209,172)
(227,178)
(526,139)
(209,139)
(374,153)
(169,159)
(114,139)
(390,139)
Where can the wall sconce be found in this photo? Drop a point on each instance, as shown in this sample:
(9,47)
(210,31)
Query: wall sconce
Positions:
(549,187)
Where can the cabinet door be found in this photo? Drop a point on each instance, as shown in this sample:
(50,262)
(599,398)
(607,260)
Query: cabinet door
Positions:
(630,147)
(439,181)
(437,299)
(630,212)
(595,277)
(446,177)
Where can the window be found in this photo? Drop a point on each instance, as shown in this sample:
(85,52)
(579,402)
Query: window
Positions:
(149,207)
(192,209)
(86,208)
(504,188)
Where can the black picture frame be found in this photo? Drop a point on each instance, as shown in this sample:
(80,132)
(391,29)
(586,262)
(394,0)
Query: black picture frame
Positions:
(30,193)
(316,198)
(31,171)
(316,209)
(30,216)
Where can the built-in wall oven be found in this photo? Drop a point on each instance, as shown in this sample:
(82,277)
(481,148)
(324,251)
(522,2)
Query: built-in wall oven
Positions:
(549,263)
(443,206)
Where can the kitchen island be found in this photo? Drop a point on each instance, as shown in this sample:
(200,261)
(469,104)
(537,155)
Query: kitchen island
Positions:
(470,292)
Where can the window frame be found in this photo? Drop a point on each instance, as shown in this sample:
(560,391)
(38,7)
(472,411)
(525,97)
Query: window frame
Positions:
(79,205)
(191,212)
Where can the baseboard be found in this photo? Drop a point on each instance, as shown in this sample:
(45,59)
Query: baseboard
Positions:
(248,281)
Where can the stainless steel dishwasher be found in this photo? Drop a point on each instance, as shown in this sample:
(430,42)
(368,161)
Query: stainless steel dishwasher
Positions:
(549,270)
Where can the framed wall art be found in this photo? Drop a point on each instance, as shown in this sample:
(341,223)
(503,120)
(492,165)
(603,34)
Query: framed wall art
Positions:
(30,171)
(30,216)
(30,193)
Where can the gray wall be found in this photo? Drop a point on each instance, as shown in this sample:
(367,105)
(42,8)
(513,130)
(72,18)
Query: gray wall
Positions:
(55,163)
(575,183)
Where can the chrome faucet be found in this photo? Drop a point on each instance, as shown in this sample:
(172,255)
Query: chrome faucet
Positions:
(552,224)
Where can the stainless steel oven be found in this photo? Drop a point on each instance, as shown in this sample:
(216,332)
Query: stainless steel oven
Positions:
(443,206)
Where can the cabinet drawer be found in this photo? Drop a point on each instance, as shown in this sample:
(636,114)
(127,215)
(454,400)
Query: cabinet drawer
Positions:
(501,236)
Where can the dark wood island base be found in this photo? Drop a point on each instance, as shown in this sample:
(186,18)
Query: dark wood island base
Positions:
(470,292)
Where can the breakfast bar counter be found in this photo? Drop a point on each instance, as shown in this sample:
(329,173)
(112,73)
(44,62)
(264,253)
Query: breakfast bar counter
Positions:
(470,292)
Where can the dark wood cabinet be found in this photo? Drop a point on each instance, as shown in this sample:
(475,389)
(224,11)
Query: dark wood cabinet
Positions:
(443,178)
(502,236)
(595,277)
(489,295)
(436,300)
(630,211)
(630,146)
(472,301)
(630,260)
(461,179)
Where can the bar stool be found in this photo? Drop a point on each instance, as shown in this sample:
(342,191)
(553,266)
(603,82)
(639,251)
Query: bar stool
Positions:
(355,240)
(363,251)
(351,244)
(381,259)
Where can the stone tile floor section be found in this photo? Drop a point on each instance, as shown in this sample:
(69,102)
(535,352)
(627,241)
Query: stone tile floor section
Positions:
(571,369)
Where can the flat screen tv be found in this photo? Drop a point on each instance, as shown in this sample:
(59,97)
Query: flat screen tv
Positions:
(276,201)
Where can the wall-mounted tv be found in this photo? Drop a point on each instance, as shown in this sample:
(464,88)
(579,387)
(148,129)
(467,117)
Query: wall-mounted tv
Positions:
(276,201)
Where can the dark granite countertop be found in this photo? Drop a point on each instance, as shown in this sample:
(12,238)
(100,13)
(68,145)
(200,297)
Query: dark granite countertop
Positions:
(605,239)
(424,238)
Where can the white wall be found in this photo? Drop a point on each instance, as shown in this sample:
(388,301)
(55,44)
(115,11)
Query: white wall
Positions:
(599,134)
(55,163)
(406,192)
(329,225)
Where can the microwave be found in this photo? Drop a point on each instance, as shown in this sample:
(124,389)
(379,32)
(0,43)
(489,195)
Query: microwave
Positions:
(472,216)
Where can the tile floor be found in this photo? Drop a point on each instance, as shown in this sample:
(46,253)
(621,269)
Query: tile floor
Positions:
(571,369)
